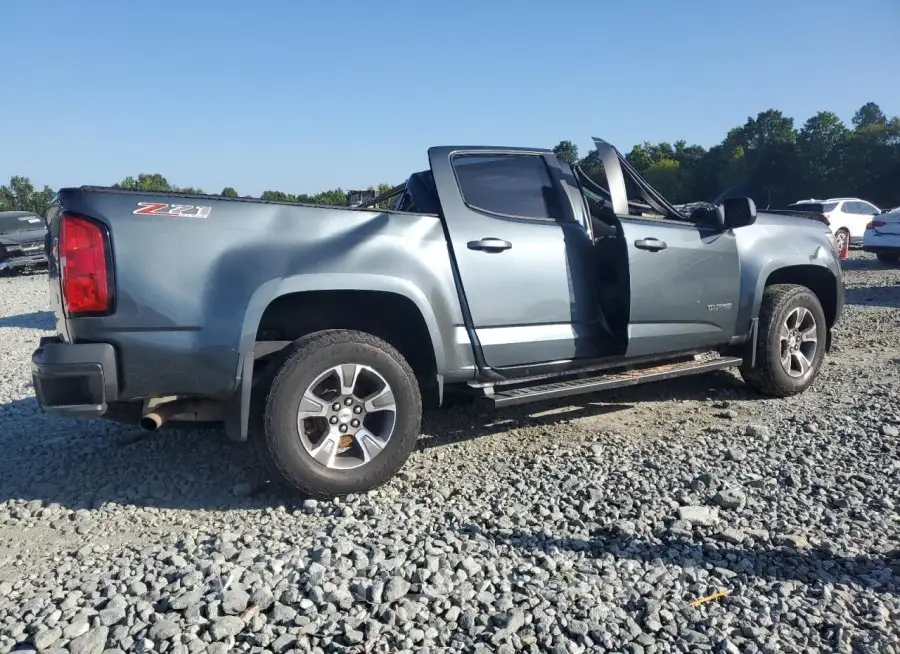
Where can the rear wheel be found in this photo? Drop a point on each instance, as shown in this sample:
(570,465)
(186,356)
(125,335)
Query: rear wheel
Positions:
(888,257)
(842,238)
(341,416)
(790,343)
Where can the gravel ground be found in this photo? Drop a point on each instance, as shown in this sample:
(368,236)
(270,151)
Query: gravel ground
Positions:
(559,527)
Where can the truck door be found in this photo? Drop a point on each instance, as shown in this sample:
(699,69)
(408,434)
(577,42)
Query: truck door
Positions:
(685,286)
(523,256)
(685,278)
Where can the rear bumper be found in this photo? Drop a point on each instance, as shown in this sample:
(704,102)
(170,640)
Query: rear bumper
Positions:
(879,242)
(29,261)
(76,380)
(886,247)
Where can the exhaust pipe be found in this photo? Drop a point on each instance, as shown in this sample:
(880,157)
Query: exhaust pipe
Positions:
(151,422)
(160,415)
(194,410)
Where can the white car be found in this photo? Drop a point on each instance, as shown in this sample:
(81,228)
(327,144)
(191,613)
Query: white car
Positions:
(847,217)
(882,236)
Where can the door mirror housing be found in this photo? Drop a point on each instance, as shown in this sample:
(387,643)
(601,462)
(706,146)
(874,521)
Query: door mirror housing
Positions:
(737,212)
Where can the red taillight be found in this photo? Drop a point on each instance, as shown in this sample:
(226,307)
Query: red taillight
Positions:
(83,266)
(875,223)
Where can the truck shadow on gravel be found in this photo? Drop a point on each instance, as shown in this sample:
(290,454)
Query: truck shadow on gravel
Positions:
(468,421)
(874,296)
(41,320)
(734,565)
(84,464)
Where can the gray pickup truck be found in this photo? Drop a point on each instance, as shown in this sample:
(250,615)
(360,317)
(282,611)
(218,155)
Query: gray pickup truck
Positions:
(318,333)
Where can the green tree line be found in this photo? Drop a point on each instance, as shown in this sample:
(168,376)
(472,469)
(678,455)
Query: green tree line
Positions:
(768,158)
(774,162)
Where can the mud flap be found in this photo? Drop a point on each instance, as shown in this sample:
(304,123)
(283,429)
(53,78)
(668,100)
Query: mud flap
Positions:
(237,408)
(754,339)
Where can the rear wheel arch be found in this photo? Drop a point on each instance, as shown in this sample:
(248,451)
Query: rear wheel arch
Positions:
(421,333)
(390,316)
(326,283)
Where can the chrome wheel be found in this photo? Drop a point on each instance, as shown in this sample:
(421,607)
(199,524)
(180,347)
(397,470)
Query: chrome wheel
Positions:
(799,342)
(347,416)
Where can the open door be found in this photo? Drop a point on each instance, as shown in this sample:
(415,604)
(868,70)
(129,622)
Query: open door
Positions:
(685,277)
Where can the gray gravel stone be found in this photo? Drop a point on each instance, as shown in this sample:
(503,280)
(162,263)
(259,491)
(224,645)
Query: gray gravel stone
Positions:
(797,541)
(45,640)
(699,515)
(234,601)
(91,642)
(733,536)
(224,627)
(730,498)
(263,598)
(164,630)
(395,588)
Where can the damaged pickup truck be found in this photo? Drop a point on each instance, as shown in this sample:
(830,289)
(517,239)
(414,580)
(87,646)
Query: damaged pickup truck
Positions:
(22,241)
(318,333)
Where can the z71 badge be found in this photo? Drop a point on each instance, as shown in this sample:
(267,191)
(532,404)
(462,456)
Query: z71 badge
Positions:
(172,210)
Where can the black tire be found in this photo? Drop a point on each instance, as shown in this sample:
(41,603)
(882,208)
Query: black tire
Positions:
(888,257)
(278,440)
(769,376)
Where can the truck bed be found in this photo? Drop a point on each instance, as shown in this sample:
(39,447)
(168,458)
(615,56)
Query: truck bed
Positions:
(180,281)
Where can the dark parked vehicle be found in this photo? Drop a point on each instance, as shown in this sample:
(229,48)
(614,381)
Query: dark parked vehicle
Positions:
(319,332)
(22,236)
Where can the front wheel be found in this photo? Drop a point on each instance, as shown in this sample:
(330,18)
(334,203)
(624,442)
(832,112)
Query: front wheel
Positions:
(888,257)
(342,414)
(790,343)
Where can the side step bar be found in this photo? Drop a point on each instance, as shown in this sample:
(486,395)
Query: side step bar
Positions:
(554,390)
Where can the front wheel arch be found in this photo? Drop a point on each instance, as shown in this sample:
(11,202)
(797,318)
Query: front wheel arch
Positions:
(818,279)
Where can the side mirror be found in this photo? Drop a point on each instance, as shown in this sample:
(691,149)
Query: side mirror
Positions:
(709,215)
(738,212)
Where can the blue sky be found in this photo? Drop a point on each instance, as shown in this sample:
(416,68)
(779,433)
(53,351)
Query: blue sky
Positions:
(302,96)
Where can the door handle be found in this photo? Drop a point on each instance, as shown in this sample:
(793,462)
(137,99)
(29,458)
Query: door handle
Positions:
(652,244)
(489,245)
